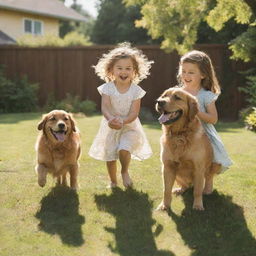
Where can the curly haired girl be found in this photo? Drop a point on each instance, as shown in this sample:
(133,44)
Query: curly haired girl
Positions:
(121,135)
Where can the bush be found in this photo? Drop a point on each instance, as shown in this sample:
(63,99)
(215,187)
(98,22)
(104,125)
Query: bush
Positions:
(250,89)
(17,95)
(248,115)
(250,121)
(71,39)
(244,113)
(71,104)
(88,107)
(75,39)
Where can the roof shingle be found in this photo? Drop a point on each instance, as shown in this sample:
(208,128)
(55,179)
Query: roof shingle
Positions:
(50,8)
(5,39)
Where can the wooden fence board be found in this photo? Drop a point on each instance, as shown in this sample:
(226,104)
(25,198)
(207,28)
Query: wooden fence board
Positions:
(69,70)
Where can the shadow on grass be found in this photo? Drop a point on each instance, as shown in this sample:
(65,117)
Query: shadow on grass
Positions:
(14,118)
(59,214)
(219,230)
(133,231)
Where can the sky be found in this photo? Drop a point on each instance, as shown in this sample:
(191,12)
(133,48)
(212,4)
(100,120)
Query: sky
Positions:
(88,5)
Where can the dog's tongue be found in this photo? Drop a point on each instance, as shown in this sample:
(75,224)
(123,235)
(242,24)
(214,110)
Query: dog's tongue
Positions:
(60,136)
(163,118)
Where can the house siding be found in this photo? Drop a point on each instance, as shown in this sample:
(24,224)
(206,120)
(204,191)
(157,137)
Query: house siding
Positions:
(11,23)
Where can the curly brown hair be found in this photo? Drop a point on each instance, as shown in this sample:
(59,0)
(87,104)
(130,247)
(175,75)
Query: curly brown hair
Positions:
(141,64)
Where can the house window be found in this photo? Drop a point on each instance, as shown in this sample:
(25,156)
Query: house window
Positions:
(34,27)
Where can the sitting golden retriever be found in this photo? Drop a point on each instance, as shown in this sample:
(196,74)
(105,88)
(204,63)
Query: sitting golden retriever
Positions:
(58,148)
(186,152)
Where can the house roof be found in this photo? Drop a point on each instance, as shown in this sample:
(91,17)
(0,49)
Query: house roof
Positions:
(5,39)
(50,8)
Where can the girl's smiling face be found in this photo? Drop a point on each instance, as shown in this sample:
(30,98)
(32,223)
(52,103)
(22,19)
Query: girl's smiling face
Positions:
(123,71)
(190,74)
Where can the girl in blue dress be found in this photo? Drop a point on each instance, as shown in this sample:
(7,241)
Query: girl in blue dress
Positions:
(197,76)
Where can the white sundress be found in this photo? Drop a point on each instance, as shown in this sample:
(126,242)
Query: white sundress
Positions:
(220,155)
(130,137)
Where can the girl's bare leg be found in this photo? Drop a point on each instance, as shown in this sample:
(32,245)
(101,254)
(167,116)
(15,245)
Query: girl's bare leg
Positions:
(208,187)
(125,158)
(111,166)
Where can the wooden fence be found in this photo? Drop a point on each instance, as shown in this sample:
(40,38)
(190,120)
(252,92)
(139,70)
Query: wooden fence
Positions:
(69,70)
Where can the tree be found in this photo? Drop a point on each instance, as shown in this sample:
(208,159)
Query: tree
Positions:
(178,22)
(115,24)
(83,28)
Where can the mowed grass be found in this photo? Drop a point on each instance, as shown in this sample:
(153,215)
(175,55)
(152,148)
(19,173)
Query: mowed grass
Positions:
(95,221)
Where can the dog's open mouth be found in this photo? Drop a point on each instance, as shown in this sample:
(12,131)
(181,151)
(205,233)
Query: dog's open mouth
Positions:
(170,117)
(59,135)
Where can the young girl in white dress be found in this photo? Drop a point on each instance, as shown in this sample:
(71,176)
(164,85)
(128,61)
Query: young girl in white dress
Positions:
(121,135)
(197,76)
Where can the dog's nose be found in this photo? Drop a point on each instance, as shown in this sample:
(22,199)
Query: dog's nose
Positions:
(61,126)
(161,103)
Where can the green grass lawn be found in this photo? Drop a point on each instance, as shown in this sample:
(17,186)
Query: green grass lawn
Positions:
(95,221)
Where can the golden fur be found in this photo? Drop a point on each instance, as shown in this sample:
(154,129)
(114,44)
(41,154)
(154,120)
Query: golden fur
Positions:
(186,152)
(58,148)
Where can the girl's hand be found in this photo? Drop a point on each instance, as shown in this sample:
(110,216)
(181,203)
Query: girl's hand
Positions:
(211,115)
(115,123)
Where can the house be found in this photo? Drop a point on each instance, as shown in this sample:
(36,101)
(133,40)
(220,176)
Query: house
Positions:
(36,17)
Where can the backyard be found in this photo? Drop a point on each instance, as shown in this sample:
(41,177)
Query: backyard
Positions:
(96,221)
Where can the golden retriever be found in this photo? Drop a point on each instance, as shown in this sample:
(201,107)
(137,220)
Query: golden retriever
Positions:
(58,148)
(186,152)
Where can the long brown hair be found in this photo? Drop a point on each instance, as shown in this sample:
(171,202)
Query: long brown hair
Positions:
(204,63)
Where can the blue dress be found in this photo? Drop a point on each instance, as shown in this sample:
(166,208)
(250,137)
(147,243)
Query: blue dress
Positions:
(204,98)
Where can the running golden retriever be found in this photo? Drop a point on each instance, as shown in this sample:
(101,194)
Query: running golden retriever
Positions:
(58,148)
(186,152)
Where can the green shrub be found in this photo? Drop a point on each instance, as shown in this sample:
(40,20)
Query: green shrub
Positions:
(71,39)
(243,113)
(248,115)
(71,104)
(17,95)
(250,89)
(75,39)
(88,107)
(39,41)
(250,120)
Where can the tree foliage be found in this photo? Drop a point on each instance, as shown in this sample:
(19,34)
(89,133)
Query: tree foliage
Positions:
(178,22)
(115,23)
(83,28)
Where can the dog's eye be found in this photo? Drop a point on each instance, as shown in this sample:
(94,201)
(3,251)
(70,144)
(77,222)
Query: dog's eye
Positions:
(176,97)
(52,118)
(66,118)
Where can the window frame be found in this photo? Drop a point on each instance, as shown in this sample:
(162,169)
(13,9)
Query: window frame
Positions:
(33,21)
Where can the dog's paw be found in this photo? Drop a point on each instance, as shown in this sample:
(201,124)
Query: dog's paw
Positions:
(74,187)
(178,191)
(198,207)
(162,207)
(41,182)
(207,191)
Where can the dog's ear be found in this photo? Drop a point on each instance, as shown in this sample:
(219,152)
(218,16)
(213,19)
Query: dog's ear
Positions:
(193,108)
(41,124)
(73,124)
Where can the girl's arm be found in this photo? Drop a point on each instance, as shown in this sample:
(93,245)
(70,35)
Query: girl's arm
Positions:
(211,114)
(134,112)
(106,111)
(106,107)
